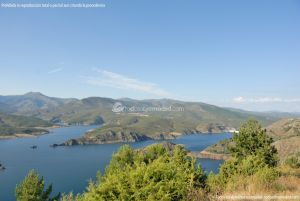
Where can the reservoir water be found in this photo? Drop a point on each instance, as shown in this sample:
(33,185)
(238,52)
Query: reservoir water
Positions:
(70,168)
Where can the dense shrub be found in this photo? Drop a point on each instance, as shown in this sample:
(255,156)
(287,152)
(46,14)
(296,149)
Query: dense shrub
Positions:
(253,156)
(151,174)
(32,189)
(252,139)
(293,162)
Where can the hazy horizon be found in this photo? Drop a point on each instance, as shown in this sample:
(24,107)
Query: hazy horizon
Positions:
(119,98)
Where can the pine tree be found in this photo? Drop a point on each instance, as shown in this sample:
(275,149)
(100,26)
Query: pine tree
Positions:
(253,140)
(153,173)
(32,189)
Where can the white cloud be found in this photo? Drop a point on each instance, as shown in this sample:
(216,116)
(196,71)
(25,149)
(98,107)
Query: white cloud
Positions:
(56,70)
(114,80)
(241,99)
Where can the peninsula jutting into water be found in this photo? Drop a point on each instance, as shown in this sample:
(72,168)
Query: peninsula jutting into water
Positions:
(82,161)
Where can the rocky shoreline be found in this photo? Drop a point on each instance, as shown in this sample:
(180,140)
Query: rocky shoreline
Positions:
(135,133)
(119,137)
(123,137)
(24,135)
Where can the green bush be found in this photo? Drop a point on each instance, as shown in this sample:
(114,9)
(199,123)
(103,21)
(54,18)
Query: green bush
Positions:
(253,156)
(216,183)
(151,174)
(252,139)
(32,189)
(266,176)
(293,162)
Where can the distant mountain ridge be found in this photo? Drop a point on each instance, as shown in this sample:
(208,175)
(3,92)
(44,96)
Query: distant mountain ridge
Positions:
(130,125)
(30,102)
(90,110)
(278,114)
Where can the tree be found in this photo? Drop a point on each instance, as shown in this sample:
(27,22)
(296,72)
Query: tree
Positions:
(153,173)
(32,189)
(253,140)
(253,155)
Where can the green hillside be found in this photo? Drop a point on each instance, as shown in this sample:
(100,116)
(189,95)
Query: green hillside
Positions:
(285,132)
(96,110)
(140,120)
(196,118)
(10,125)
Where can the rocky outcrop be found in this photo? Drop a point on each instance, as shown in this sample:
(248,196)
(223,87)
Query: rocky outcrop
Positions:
(211,128)
(123,134)
(115,137)
(71,142)
(164,137)
(111,136)
(2,167)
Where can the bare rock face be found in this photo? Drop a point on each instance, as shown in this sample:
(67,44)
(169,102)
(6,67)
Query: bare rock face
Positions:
(121,136)
(211,128)
(109,137)
(71,142)
(164,137)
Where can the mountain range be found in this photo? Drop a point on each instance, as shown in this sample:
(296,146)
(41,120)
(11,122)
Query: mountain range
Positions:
(139,119)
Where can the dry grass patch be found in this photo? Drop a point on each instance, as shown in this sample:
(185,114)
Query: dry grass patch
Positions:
(288,184)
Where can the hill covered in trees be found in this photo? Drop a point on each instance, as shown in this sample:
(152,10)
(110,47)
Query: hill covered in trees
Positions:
(16,126)
(93,110)
(136,121)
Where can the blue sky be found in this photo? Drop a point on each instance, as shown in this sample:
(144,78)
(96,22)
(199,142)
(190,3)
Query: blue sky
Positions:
(243,54)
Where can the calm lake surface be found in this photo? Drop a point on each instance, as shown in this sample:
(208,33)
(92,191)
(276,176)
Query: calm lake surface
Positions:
(70,168)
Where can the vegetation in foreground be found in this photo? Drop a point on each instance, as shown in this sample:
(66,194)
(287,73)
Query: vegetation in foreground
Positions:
(32,189)
(166,172)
